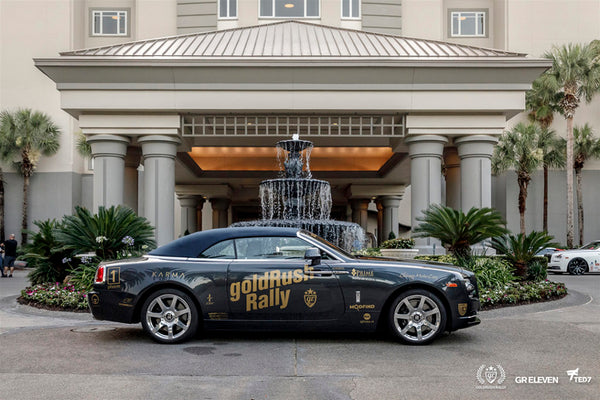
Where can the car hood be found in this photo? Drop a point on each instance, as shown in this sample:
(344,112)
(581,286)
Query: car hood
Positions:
(413,263)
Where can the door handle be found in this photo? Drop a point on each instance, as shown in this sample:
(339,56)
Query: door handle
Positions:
(336,272)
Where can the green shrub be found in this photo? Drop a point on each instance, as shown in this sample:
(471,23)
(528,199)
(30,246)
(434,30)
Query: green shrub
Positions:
(521,292)
(537,270)
(112,232)
(400,243)
(459,231)
(520,249)
(491,273)
(45,254)
(56,295)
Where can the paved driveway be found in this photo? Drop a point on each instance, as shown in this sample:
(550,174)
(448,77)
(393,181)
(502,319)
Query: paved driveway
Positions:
(52,355)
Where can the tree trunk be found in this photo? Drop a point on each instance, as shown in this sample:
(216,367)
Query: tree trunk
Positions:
(545,222)
(1,206)
(570,227)
(523,180)
(25,207)
(578,174)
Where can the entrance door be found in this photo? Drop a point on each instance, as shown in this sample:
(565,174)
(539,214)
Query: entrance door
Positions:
(271,280)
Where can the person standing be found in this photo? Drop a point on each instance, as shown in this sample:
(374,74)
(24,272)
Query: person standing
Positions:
(10,255)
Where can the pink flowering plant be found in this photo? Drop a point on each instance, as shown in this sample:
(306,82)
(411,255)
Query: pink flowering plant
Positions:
(55,295)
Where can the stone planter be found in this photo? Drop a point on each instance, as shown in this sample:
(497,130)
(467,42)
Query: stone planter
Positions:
(400,253)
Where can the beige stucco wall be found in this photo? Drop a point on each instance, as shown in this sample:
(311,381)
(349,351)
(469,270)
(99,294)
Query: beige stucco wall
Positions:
(22,85)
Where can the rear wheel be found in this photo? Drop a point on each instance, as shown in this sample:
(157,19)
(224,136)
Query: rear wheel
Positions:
(577,266)
(169,316)
(417,317)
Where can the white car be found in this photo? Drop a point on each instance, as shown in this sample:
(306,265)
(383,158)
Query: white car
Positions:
(577,261)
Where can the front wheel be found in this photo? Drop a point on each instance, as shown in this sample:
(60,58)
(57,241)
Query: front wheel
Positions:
(577,266)
(417,317)
(169,316)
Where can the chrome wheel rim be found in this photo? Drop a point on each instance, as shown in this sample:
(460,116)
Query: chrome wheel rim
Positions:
(577,267)
(168,316)
(417,318)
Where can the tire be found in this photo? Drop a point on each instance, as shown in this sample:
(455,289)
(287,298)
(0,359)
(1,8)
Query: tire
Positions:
(417,317)
(169,316)
(577,266)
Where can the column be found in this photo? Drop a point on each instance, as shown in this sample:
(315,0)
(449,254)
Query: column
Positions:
(452,163)
(189,213)
(220,212)
(159,153)
(380,237)
(425,152)
(475,154)
(390,215)
(108,153)
(131,193)
(360,212)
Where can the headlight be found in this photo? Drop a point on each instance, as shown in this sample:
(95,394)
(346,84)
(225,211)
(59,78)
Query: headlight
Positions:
(469,286)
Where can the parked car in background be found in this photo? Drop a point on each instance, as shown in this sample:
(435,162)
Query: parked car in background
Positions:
(547,252)
(578,261)
(280,278)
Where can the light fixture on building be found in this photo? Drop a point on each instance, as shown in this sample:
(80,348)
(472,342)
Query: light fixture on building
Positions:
(289,5)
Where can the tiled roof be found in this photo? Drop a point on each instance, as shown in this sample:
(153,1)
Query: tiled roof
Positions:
(290,39)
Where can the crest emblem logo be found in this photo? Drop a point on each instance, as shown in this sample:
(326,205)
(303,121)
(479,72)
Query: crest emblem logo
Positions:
(462,308)
(491,375)
(310,298)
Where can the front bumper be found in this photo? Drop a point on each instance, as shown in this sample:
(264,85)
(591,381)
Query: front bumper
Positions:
(555,267)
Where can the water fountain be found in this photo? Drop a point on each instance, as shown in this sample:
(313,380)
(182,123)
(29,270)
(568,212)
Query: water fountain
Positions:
(297,200)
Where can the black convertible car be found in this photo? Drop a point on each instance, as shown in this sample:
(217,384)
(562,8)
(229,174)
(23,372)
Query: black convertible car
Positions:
(280,278)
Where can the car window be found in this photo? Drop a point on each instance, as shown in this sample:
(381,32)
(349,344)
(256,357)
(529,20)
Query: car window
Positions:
(271,247)
(224,249)
(591,246)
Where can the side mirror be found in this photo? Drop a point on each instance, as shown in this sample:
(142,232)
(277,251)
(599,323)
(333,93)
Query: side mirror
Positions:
(314,255)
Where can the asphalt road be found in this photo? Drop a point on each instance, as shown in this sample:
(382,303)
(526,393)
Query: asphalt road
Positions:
(49,355)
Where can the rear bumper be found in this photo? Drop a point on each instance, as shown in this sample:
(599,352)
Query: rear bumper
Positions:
(109,306)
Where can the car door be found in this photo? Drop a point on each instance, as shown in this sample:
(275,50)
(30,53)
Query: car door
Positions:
(271,280)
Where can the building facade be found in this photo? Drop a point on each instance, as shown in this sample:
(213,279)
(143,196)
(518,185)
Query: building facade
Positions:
(183,128)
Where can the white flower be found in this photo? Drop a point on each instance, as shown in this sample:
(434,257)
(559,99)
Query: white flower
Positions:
(100,239)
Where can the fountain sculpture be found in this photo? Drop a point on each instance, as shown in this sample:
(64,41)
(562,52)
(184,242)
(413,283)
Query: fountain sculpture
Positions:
(297,200)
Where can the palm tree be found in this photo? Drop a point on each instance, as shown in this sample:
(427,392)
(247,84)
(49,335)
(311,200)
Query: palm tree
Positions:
(518,149)
(541,102)
(553,156)
(29,134)
(520,250)
(586,146)
(458,231)
(4,155)
(575,75)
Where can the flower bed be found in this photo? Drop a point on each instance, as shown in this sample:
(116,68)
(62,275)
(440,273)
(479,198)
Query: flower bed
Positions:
(517,293)
(55,296)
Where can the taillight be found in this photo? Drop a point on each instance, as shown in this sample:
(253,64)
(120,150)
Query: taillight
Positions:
(100,274)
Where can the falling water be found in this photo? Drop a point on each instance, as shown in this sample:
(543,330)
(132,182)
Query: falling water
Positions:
(297,200)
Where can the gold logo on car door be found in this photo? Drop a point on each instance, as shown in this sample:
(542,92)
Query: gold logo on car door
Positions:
(310,298)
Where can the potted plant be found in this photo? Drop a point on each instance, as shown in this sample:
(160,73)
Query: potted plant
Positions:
(399,248)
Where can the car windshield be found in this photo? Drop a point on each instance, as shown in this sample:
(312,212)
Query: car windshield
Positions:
(327,244)
(591,246)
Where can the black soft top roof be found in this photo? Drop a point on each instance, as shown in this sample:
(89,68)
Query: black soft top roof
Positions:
(194,244)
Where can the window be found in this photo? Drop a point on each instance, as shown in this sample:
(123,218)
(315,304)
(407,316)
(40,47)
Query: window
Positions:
(224,249)
(227,9)
(271,247)
(109,23)
(468,23)
(289,8)
(350,9)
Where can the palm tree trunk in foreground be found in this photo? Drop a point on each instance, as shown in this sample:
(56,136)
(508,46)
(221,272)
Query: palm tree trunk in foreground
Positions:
(570,227)
(545,223)
(25,206)
(1,206)
(579,205)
